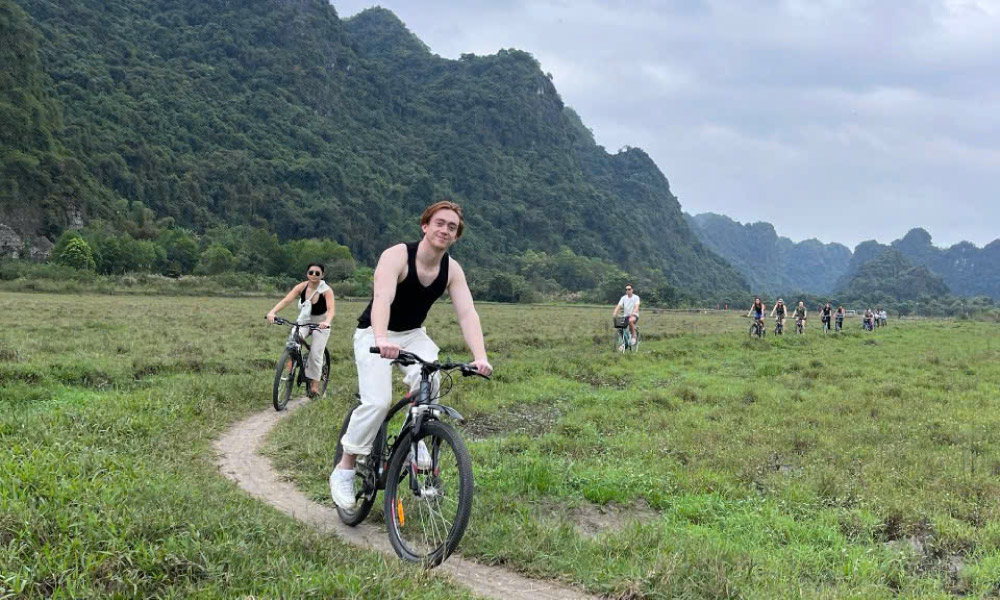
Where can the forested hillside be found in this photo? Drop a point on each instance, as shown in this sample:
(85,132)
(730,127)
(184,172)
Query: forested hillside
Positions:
(770,263)
(965,269)
(890,277)
(42,186)
(278,116)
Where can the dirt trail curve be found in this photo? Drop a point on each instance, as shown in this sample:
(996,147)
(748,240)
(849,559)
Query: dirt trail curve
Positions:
(239,461)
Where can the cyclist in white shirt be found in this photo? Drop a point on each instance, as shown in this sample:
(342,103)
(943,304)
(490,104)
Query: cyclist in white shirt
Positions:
(629,305)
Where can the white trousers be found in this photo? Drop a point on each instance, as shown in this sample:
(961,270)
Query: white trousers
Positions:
(375,383)
(317,343)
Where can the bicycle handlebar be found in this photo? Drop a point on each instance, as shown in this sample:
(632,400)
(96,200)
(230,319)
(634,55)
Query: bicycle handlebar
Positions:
(280,321)
(408,358)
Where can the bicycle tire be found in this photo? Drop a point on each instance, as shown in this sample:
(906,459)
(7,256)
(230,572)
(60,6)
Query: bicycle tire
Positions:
(620,340)
(361,509)
(635,346)
(324,377)
(284,380)
(437,549)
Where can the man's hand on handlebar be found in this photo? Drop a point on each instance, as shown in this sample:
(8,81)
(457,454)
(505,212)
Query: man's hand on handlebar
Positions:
(387,349)
(483,367)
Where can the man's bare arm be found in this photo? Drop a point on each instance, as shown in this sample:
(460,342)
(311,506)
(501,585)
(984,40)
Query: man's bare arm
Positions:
(390,265)
(468,318)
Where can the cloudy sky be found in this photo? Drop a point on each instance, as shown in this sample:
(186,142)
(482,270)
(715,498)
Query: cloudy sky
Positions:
(839,120)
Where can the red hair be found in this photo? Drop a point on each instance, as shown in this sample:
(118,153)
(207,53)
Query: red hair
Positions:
(425,217)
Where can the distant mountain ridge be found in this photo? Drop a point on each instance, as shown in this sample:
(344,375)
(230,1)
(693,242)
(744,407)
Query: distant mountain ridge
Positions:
(891,277)
(775,264)
(772,264)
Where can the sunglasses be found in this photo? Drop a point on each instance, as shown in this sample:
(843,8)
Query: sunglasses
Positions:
(315,272)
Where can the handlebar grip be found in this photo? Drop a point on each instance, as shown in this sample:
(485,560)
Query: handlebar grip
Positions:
(375,350)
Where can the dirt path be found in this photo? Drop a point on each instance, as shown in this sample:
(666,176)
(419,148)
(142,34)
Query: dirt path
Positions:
(239,461)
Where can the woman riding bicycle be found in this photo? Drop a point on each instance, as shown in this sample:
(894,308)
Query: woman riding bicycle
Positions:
(825,313)
(315,306)
(757,312)
(778,312)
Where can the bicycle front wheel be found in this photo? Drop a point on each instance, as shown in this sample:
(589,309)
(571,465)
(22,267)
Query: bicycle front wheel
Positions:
(427,510)
(284,380)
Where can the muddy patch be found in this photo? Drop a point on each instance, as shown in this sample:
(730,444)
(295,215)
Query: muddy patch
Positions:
(928,557)
(524,419)
(591,520)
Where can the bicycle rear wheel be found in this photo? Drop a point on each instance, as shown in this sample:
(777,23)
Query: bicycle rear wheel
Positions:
(324,377)
(425,524)
(284,379)
(365,474)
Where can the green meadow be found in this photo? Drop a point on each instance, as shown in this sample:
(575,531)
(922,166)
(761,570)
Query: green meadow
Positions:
(707,465)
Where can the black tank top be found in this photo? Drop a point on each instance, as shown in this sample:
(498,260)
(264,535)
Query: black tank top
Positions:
(319,308)
(413,301)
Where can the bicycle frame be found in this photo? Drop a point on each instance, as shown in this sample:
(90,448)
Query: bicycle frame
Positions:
(624,335)
(420,410)
(294,345)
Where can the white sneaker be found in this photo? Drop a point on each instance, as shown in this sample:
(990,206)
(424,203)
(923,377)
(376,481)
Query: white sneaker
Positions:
(342,487)
(423,456)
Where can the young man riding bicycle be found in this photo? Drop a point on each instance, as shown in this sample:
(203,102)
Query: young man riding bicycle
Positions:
(629,305)
(409,278)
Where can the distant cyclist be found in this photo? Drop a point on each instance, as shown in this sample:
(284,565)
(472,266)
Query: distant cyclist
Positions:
(779,312)
(884,317)
(839,317)
(629,305)
(800,315)
(756,310)
(824,315)
(869,318)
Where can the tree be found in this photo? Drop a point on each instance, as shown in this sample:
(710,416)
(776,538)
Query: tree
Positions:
(76,253)
(336,258)
(181,249)
(216,259)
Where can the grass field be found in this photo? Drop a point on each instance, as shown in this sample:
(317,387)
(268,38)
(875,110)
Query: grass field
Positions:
(705,466)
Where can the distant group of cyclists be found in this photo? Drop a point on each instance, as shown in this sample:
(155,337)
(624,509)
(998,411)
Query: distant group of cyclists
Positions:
(831,319)
(874,319)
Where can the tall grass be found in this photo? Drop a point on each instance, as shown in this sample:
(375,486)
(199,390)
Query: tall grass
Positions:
(858,465)
(108,407)
(851,465)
